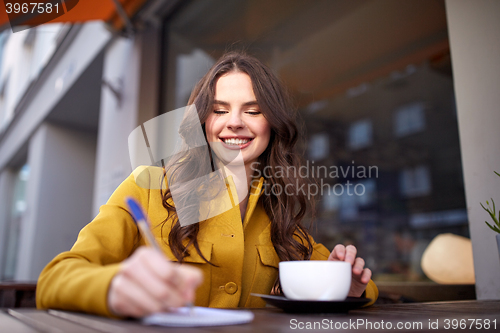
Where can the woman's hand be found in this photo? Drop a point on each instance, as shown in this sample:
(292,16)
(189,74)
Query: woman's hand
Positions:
(148,282)
(360,275)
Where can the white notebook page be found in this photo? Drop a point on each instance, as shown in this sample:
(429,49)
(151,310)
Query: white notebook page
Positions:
(201,316)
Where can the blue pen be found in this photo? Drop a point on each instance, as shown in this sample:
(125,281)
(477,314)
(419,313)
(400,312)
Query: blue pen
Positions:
(143,225)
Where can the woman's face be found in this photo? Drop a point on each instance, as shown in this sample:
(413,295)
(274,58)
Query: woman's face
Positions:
(236,121)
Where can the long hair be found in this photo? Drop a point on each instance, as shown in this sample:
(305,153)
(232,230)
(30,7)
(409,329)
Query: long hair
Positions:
(286,212)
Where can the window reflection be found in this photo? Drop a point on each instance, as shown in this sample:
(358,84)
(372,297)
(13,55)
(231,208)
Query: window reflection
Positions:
(409,119)
(373,83)
(415,182)
(319,146)
(360,134)
(14,220)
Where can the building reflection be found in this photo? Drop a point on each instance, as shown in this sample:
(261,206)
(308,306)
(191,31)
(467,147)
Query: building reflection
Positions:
(373,83)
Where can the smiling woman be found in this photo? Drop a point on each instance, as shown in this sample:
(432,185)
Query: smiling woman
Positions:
(374,102)
(222,260)
(236,120)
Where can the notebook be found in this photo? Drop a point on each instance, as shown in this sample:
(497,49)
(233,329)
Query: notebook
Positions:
(201,316)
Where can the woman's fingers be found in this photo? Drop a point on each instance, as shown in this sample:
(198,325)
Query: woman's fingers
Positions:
(190,279)
(140,273)
(147,282)
(360,275)
(358,266)
(367,275)
(338,253)
(181,278)
(343,253)
(132,300)
(350,254)
(158,276)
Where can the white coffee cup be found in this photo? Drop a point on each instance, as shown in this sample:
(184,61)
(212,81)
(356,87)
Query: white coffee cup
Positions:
(315,280)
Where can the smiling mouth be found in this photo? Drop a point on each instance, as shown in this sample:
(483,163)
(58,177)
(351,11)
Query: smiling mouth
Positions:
(236,141)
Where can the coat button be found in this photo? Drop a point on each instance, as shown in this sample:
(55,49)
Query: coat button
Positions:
(231,288)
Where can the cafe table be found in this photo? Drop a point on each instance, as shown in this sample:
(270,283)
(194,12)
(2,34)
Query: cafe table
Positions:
(454,316)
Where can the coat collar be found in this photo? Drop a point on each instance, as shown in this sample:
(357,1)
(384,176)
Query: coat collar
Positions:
(253,198)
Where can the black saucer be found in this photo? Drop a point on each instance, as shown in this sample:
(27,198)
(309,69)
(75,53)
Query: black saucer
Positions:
(293,306)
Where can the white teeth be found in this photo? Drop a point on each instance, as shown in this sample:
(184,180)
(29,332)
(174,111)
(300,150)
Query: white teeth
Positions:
(237,142)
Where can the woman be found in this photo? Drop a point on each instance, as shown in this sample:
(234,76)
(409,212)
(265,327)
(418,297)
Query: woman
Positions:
(242,106)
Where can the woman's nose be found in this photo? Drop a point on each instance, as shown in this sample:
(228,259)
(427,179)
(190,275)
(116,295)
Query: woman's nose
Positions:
(235,121)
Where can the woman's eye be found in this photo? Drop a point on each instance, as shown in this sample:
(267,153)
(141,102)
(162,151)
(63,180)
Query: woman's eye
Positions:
(219,111)
(254,113)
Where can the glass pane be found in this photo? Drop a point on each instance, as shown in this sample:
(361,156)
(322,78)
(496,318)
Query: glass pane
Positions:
(18,209)
(373,82)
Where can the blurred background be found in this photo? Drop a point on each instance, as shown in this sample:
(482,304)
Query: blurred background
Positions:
(372,80)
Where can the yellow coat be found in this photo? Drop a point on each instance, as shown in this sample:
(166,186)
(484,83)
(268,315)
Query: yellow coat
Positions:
(242,251)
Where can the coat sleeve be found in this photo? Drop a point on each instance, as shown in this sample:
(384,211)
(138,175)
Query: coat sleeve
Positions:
(320,252)
(78,279)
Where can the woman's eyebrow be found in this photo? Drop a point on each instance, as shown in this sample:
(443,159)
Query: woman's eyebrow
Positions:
(250,103)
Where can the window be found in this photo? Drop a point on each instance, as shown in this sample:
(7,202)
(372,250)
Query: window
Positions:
(364,94)
(360,134)
(18,209)
(415,182)
(318,146)
(409,119)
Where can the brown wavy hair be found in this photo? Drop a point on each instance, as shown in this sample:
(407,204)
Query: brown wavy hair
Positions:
(289,236)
